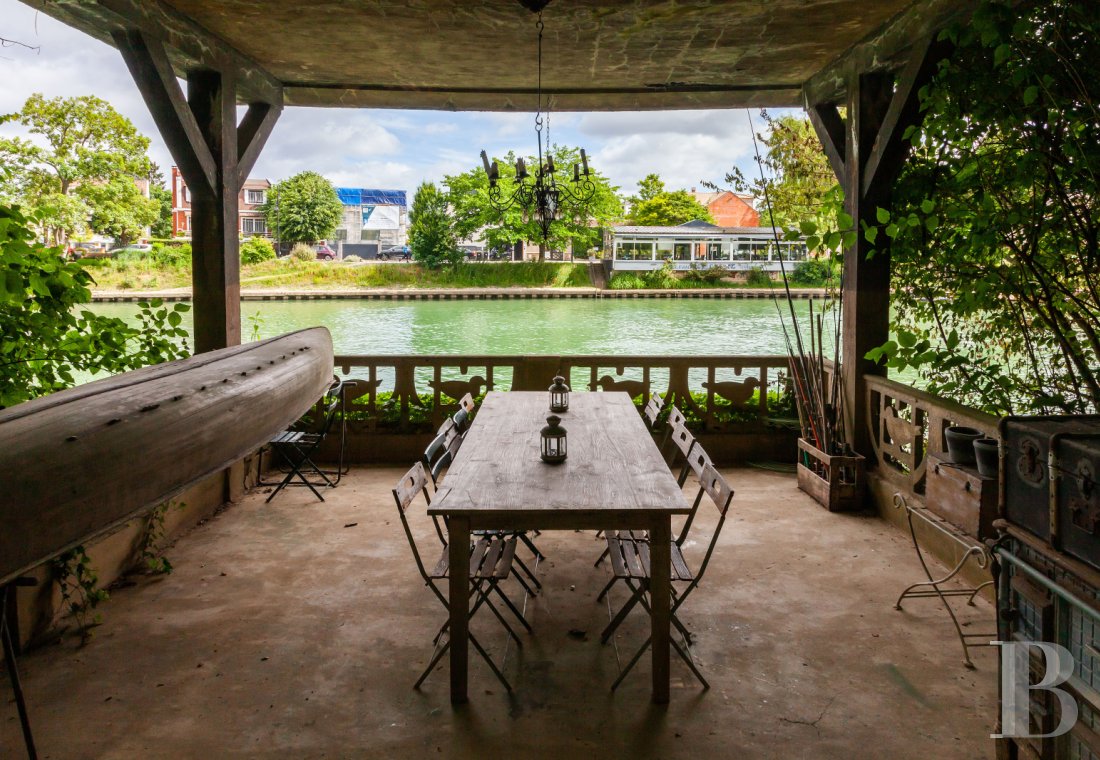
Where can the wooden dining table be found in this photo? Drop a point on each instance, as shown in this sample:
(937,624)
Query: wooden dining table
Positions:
(614,477)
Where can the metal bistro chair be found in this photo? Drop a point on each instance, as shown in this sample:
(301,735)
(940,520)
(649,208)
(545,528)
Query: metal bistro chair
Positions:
(490,563)
(297,448)
(630,560)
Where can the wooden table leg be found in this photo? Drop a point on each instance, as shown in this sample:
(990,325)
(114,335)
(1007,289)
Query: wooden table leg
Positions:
(660,588)
(458,529)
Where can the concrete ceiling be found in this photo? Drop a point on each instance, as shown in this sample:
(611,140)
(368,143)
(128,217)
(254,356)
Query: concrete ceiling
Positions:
(598,55)
(480,55)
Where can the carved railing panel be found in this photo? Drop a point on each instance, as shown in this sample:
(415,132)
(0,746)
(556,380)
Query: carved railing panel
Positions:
(906,424)
(426,388)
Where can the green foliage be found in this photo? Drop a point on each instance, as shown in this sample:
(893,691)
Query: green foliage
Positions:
(668,209)
(814,273)
(303,209)
(432,237)
(995,228)
(79,585)
(80,162)
(119,209)
(649,187)
(45,337)
(707,275)
(162,196)
(152,540)
(758,278)
(254,250)
(797,174)
(468,196)
(303,252)
(626,281)
(172,255)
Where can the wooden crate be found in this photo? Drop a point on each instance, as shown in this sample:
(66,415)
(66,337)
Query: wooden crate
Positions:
(961,496)
(835,482)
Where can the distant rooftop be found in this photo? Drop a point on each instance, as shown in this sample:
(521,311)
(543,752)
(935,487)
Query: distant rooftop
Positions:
(691,229)
(359,196)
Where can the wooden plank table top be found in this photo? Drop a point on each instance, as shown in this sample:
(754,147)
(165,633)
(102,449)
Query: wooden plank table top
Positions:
(614,477)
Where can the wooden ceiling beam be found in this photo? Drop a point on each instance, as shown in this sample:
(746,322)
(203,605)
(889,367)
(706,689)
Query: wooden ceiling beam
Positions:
(148,64)
(189,46)
(252,134)
(886,49)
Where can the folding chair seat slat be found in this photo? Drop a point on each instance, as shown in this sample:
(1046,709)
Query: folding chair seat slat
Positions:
(680,571)
(642,548)
(634,565)
(615,547)
(504,566)
(487,568)
(440,570)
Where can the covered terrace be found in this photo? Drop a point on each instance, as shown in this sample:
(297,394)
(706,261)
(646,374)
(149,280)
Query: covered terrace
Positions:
(295,629)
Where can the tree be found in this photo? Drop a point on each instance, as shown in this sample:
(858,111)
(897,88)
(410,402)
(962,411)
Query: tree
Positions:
(668,209)
(649,187)
(797,174)
(468,194)
(431,230)
(46,338)
(995,225)
(119,209)
(162,227)
(303,209)
(78,146)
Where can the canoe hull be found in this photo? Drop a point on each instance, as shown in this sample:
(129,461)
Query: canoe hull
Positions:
(78,462)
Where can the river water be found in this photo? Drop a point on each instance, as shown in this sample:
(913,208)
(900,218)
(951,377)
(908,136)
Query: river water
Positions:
(643,326)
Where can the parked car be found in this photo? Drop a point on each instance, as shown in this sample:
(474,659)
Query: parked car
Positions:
(86,250)
(400,252)
(324,253)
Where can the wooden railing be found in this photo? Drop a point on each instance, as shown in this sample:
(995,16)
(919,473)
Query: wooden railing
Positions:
(907,424)
(427,387)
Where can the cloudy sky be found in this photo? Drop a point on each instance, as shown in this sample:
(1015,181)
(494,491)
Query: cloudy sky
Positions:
(384,148)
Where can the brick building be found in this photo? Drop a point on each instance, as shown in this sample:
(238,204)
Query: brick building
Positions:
(250,219)
(729,209)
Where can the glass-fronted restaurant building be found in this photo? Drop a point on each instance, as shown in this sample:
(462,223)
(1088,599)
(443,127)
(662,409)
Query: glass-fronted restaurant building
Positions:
(698,244)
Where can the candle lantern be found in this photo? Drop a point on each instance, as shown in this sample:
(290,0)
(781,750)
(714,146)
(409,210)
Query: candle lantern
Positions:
(559,396)
(553,441)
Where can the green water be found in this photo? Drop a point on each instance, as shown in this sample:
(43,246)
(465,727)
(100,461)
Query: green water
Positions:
(690,327)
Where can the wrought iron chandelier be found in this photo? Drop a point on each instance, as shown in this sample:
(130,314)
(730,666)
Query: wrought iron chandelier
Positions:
(540,196)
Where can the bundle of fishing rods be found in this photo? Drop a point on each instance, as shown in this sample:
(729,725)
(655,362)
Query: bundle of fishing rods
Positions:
(814,364)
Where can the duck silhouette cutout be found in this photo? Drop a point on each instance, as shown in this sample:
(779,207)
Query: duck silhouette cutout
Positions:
(456,389)
(632,388)
(737,393)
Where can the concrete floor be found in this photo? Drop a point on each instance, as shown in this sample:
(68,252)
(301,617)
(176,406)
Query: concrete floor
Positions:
(296,629)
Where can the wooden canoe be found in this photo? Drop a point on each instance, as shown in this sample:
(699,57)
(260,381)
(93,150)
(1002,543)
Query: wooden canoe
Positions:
(81,461)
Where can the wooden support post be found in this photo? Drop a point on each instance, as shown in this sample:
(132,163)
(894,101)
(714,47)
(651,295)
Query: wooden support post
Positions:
(214,156)
(865,321)
(866,150)
(216,263)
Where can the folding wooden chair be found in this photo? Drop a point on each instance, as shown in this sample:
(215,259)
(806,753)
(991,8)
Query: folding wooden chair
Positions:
(297,449)
(439,454)
(490,563)
(694,458)
(630,560)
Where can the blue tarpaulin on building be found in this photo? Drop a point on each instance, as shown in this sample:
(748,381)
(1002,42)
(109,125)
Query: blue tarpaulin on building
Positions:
(358,196)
